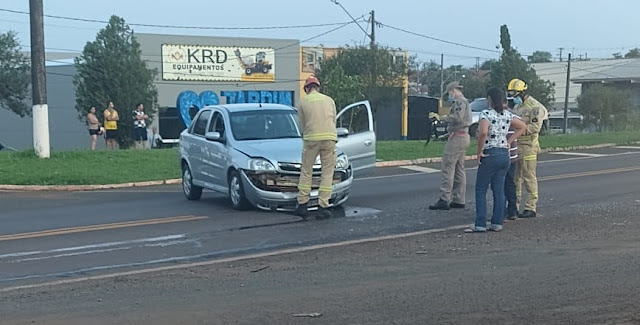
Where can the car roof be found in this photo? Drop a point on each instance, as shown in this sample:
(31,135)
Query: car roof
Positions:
(247,107)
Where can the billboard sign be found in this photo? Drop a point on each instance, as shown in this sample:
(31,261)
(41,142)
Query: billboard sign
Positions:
(217,63)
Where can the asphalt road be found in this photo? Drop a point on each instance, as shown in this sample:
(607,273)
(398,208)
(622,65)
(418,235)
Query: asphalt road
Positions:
(84,256)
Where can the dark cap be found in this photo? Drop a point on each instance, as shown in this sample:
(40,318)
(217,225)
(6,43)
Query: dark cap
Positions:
(453,85)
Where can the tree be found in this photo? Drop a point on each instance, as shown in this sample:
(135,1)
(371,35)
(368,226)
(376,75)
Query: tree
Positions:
(540,57)
(617,55)
(604,106)
(14,75)
(475,87)
(111,69)
(513,65)
(358,73)
(488,65)
(633,54)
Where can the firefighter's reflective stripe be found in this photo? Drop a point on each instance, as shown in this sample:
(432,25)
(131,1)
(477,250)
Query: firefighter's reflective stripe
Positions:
(303,187)
(530,157)
(325,189)
(320,136)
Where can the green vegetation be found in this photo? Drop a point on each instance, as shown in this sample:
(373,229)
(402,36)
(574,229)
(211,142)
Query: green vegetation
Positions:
(88,167)
(406,150)
(123,166)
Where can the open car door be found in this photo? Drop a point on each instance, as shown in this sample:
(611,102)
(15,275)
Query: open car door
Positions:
(360,144)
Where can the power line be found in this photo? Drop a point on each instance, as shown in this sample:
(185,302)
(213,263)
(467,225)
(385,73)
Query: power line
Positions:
(354,20)
(178,26)
(269,51)
(204,82)
(438,39)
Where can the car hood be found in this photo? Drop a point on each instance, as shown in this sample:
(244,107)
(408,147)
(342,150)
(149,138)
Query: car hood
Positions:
(276,150)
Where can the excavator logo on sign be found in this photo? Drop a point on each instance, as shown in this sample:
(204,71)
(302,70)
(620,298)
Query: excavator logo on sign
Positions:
(259,68)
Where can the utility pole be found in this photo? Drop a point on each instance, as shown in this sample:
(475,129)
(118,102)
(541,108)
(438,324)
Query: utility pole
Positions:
(477,66)
(562,48)
(373,29)
(566,97)
(441,75)
(38,81)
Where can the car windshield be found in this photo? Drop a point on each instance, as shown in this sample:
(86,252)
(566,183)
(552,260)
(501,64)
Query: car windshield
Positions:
(264,124)
(478,105)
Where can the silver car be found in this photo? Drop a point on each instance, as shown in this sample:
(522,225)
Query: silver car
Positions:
(252,153)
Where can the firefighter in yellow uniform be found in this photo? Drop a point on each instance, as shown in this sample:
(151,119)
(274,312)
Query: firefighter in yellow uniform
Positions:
(317,118)
(533,115)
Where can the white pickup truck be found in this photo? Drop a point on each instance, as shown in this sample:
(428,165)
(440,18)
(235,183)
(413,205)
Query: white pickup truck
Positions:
(480,104)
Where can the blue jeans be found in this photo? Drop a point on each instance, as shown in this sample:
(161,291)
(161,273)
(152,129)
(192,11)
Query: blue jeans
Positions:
(492,170)
(510,191)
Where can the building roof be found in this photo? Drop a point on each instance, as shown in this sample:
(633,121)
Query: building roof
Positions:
(619,71)
(556,72)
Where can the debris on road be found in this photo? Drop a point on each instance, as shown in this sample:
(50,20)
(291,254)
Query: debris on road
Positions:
(312,315)
(260,269)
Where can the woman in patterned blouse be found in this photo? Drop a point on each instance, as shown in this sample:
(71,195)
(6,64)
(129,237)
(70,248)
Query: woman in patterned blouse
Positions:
(493,157)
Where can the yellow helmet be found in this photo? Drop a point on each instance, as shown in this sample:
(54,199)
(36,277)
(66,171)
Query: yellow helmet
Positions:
(516,86)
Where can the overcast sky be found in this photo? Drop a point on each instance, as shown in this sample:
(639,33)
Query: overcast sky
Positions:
(596,27)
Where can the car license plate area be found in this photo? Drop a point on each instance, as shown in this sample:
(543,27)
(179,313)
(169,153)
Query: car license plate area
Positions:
(285,183)
(440,129)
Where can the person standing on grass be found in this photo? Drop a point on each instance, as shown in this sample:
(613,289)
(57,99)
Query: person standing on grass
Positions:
(140,127)
(93,126)
(111,119)
(156,139)
(493,157)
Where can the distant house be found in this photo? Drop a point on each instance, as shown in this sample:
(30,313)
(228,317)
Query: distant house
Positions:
(556,72)
(621,74)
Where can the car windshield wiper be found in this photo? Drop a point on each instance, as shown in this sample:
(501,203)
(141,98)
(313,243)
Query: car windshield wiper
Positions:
(250,139)
(286,137)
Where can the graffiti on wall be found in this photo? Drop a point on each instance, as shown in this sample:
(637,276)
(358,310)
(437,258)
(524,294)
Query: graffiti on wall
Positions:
(188,99)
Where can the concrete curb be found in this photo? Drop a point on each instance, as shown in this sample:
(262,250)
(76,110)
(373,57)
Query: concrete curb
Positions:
(75,188)
(175,181)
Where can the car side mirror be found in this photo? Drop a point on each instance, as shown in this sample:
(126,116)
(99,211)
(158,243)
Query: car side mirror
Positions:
(212,136)
(342,132)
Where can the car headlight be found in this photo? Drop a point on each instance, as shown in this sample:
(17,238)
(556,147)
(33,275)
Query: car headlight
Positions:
(342,162)
(261,165)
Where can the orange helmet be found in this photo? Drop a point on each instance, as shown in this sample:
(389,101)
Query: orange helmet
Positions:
(310,81)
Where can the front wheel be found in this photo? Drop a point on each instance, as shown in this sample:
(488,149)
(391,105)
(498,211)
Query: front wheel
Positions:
(236,192)
(192,192)
(473,131)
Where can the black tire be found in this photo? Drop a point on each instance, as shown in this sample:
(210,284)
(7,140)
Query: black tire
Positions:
(265,70)
(248,71)
(191,192)
(237,198)
(473,130)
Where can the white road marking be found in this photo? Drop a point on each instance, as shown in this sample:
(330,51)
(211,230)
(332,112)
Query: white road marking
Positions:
(71,254)
(421,169)
(584,154)
(627,147)
(222,260)
(102,245)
